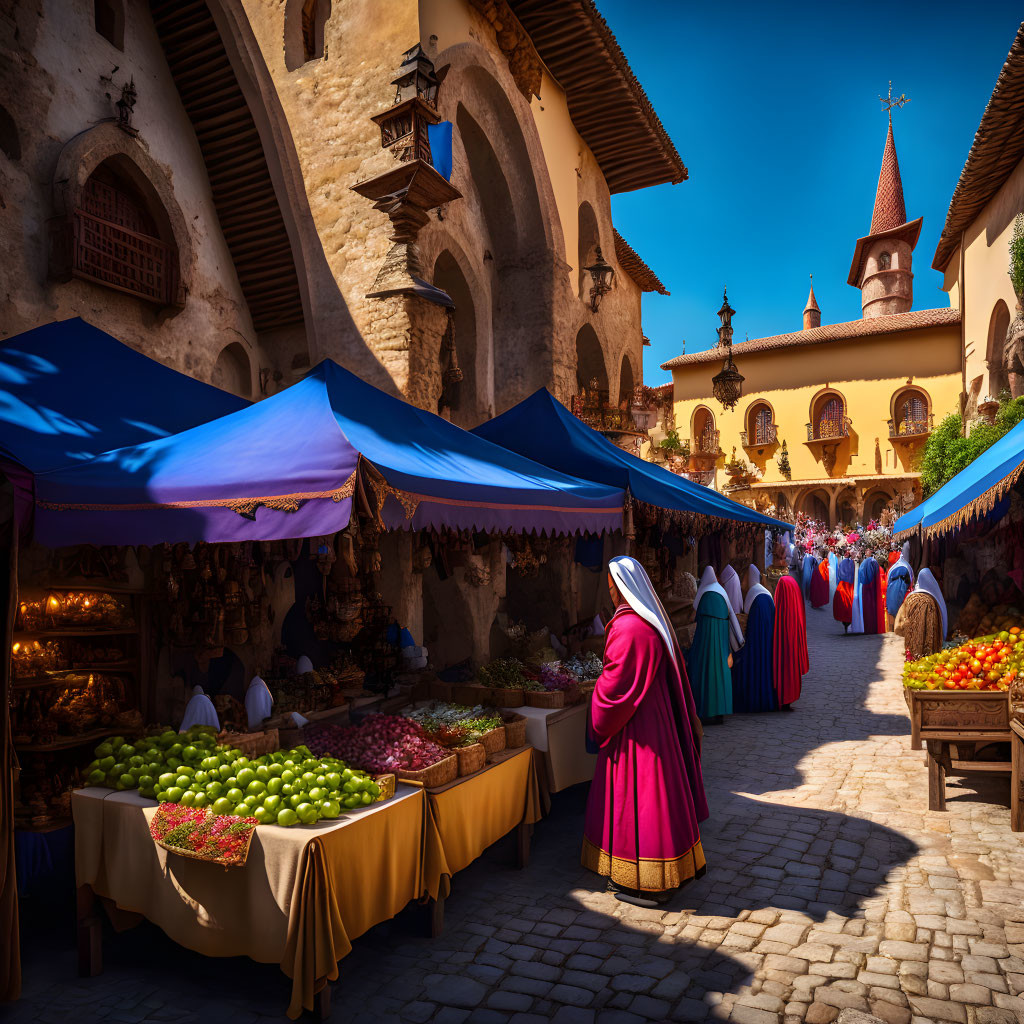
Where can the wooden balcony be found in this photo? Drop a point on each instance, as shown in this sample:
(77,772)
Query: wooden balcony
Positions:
(829,430)
(706,445)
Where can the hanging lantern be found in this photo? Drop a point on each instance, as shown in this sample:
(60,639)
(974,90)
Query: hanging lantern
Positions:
(727,384)
(601,274)
(416,77)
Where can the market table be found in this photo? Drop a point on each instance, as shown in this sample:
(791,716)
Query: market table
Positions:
(472,812)
(560,736)
(303,895)
(1016,775)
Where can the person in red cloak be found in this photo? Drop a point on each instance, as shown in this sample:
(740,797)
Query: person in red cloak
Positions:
(842,603)
(819,585)
(789,646)
(647,798)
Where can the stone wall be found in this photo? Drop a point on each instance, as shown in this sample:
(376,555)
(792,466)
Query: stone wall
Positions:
(58,82)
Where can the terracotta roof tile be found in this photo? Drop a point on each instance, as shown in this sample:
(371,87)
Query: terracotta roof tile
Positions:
(890,210)
(607,104)
(812,302)
(627,258)
(997,149)
(912,321)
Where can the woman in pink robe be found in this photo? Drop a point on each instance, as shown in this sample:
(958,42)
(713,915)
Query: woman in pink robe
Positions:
(647,796)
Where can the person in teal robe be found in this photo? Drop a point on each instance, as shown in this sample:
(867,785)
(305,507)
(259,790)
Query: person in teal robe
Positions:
(710,657)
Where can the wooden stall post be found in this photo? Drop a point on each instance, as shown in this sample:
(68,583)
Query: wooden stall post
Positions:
(90,933)
(1016,776)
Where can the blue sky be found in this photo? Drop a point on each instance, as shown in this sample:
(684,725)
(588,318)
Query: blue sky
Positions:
(776,115)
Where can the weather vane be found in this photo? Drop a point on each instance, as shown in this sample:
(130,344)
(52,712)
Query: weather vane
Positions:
(888,102)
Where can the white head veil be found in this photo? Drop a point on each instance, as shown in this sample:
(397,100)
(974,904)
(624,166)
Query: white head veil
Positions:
(730,581)
(709,585)
(754,588)
(259,702)
(636,588)
(927,583)
(199,711)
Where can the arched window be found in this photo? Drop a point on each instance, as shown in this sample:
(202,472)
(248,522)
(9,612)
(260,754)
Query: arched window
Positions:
(884,261)
(314,17)
(760,424)
(233,371)
(998,326)
(588,239)
(829,419)
(108,19)
(911,413)
(626,384)
(705,436)
(116,240)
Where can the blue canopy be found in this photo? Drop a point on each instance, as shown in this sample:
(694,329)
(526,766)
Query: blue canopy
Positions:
(287,467)
(541,428)
(973,492)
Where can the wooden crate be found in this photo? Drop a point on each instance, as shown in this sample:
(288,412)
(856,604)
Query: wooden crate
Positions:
(970,716)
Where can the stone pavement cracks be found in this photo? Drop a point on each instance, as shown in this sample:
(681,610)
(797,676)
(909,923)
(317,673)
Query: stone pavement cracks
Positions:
(830,886)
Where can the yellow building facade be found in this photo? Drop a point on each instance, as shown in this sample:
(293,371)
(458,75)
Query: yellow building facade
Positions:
(832,419)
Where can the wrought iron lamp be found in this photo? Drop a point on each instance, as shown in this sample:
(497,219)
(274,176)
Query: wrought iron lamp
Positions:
(601,273)
(727,384)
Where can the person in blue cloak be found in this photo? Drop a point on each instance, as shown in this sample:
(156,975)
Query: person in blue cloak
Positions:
(715,640)
(810,563)
(899,583)
(752,689)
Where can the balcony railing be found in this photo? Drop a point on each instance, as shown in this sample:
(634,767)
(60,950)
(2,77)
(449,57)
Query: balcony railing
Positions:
(829,429)
(594,409)
(706,443)
(912,427)
(760,437)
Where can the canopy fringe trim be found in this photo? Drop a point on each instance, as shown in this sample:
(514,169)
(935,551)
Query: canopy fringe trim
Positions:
(245,507)
(980,506)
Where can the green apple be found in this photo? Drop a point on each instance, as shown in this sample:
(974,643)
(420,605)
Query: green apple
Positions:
(274,785)
(245,776)
(330,808)
(201,800)
(104,750)
(235,795)
(190,753)
(97,777)
(287,817)
(107,763)
(306,813)
(174,794)
(182,780)
(262,773)
(317,793)
(188,798)
(214,789)
(333,779)
(272,803)
(255,788)
(222,806)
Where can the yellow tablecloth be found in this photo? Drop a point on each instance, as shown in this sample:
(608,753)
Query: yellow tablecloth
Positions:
(302,896)
(472,812)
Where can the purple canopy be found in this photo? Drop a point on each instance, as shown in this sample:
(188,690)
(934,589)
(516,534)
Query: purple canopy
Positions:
(287,467)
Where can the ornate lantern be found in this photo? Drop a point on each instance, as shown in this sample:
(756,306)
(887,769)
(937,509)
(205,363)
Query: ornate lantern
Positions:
(601,273)
(403,126)
(727,384)
(416,78)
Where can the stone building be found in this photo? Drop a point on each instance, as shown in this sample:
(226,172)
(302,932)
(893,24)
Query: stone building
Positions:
(831,418)
(228,187)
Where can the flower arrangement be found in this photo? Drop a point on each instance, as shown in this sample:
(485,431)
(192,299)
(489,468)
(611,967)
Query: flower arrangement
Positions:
(813,537)
(454,725)
(584,666)
(381,743)
(199,833)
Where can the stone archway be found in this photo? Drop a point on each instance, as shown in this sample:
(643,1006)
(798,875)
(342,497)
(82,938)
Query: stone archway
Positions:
(588,239)
(449,277)
(995,353)
(233,370)
(627,380)
(590,364)
(502,185)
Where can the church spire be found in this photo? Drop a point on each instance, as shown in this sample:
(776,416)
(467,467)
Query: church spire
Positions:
(882,259)
(890,210)
(812,314)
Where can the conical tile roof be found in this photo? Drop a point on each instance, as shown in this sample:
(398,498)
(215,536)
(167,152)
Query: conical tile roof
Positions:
(812,302)
(890,210)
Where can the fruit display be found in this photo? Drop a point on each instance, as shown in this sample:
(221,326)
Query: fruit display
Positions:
(309,691)
(381,743)
(454,725)
(978,619)
(31,658)
(989,662)
(286,788)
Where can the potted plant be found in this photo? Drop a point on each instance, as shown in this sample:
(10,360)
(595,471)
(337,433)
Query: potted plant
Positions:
(783,462)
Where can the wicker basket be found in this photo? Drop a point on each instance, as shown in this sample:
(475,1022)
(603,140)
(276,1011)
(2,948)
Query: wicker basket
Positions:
(252,744)
(471,758)
(515,730)
(493,742)
(438,774)
(502,698)
(545,698)
(387,786)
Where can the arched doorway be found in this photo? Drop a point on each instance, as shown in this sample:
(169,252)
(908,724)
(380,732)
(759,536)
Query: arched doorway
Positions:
(449,277)
(590,361)
(516,236)
(626,382)
(874,505)
(233,371)
(815,505)
(704,432)
(999,325)
(846,509)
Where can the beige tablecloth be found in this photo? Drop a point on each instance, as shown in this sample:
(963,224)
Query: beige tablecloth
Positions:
(302,896)
(560,736)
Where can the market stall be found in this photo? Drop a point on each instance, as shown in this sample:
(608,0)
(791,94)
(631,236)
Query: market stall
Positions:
(218,585)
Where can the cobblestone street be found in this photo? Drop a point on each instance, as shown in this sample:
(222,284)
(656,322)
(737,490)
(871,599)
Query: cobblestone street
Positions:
(829,886)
